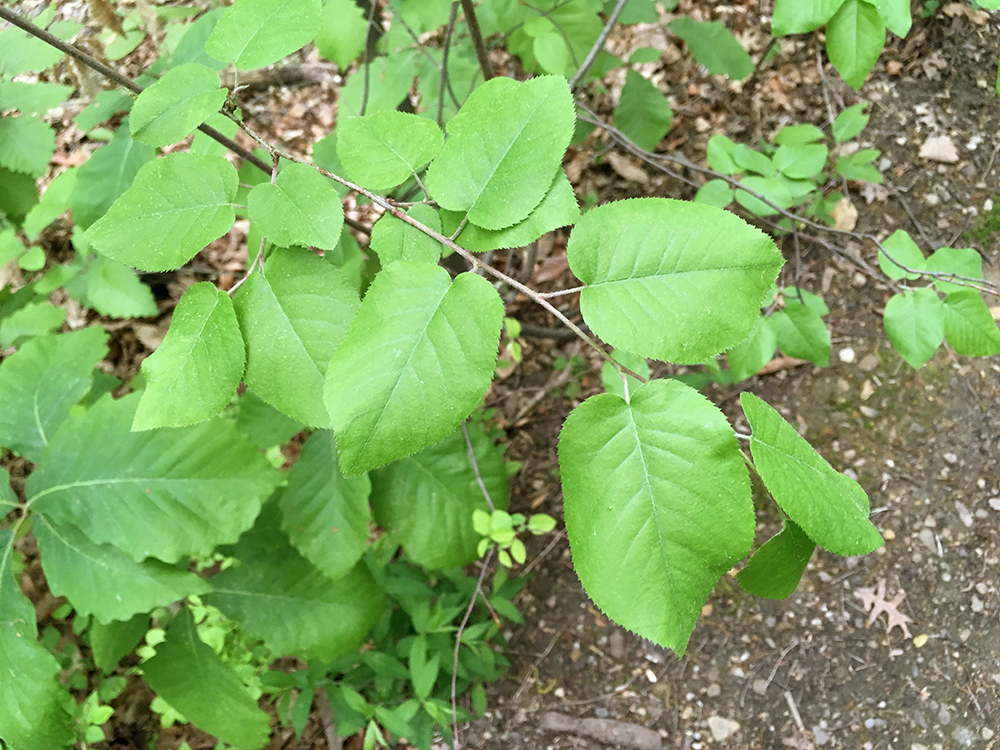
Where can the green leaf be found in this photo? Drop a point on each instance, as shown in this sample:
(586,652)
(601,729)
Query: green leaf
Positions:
(612,381)
(262,423)
(831,508)
(969,326)
(192,678)
(644,54)
(854,40)
(962,261)
(324,514)
(21,53)
(551,51)
(558,208)
(714,46)
(389,81)
(112,289)
(416,361)
(18,194)
(167,494)
(175,206)
(181,100)
(425,501)
(643,112)
(118,638)
(776,568)
(858,166)
(635,11)
(774,190)
(383,149)
(903,249)
(41,382)
(294,313)
(103,581)
(800,162)
(914,323)
(423,671)
(657,505)
(748,357)
(301,208)
(746,158)
(195,371)
(54,203)
(850,122)
(26,144)
(255,33)
(810,300)
(106,175)
(32,713)
(31,320)
(342,32)
(896,14)
(798,135)
(277,595)
(798,17)
(32,98)
(191,47)
(802,333)
(500,168)
(650,260)
(715,193)
(720,152)
(8,500)
(393,239)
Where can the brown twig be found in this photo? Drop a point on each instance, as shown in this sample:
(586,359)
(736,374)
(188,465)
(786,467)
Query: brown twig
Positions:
(458,645)
(482,54)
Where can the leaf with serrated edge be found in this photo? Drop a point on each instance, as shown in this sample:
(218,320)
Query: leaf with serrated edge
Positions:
(415,363)
(294,314)
(499,168)
(914,323)
(41,382)
(394,239)
(280,597)
(671,280)
(831,508)
(32,713)
(103,581)
(425,501)
(802,333)
(255,33)
(643,112)
(195,371)
(175,206)
(181,100)
(192,678)
(963,261)
(324,514)
(969,326)
(657,505)
(383,149)
(302,207)
(558,208)
(776,568)
(168,494)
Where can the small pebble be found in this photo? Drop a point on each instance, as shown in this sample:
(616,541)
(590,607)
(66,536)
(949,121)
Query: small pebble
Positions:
(821,736)
(927,537)
(964,514)
(944,716)
(722,728)
(977,604)
(987,733)
(964,735)
(950,458)
(995,503)
(714,690)
(869,412)
(760,686)
(846,355)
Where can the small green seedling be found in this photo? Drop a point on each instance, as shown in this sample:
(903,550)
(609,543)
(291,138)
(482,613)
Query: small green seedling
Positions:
(501,528)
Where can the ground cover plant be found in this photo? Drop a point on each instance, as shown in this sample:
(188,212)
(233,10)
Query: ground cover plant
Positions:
(160,508)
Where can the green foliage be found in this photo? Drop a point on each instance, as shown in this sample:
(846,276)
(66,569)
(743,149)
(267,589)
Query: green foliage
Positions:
(161,515)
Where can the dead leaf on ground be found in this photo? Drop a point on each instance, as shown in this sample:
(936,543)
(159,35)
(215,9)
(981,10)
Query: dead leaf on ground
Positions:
(874,600)
(845,215)
(625,168)
(939,148)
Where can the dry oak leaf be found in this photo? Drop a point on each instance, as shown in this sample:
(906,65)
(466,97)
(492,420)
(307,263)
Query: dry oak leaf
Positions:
(939,148)
(874,600)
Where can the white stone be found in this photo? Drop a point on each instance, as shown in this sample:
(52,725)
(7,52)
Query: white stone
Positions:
(722,728)
(846,355)
(939,148)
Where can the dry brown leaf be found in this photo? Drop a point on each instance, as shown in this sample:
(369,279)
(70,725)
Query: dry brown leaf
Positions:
(845,215)
(103,12)
(874,600)
(939,148)
(625,168)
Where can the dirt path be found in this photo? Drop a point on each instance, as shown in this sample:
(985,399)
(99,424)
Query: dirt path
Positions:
(806,672)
